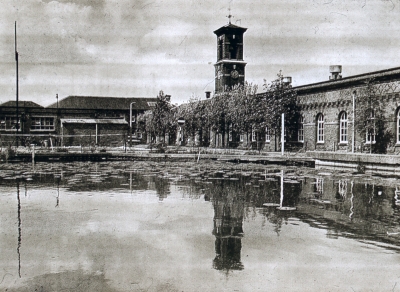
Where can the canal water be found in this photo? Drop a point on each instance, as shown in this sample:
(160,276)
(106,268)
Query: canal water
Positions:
(145,226)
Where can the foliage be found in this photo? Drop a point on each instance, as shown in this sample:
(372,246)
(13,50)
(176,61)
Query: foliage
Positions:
(280,99)
(194,114)
(239,110)
(8,154)
(371,117)
(160,120)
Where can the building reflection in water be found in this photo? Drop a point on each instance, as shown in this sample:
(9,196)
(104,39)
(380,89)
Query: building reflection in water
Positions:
(228,229)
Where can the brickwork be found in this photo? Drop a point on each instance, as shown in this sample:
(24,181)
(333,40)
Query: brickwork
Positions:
(331,102)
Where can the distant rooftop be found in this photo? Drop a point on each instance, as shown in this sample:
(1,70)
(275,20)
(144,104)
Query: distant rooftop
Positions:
(21,103)
(101,102)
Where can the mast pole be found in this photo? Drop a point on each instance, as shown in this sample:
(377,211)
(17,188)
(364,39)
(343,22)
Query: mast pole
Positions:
(16,62)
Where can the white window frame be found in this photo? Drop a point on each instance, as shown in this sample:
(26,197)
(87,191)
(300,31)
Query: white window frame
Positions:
(371,136)
(42,123)
(319,185)
(241,137)
(320,129)
(343,128)
(342,188)
(300,132)
(253,136)
(8,123)
(267,135)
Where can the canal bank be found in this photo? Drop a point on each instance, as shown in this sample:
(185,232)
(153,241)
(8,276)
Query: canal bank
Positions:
(143,153)
(362,162)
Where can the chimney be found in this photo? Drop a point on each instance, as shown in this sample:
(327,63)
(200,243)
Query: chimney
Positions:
(287,80)
(335,71)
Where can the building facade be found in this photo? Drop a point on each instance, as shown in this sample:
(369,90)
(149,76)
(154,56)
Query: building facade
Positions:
(74,121)
(332,112)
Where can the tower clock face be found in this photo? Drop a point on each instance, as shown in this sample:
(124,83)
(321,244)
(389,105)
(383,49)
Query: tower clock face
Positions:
(234,74)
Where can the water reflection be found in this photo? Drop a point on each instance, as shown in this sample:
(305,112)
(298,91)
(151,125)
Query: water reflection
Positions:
(365,209)
(228,226)
(19,231)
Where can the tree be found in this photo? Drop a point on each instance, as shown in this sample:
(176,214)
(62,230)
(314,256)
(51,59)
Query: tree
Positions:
(194,113)
(160,120)
(242,106)
(217,109)
(371,122)
(280,98)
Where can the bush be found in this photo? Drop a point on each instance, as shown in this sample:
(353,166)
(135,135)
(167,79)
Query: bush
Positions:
(161,147)
(8,154)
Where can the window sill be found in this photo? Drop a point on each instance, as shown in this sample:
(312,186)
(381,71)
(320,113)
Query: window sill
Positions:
(320,143)
(343,143)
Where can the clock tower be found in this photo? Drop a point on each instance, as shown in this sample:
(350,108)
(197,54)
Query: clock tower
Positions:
(230,67)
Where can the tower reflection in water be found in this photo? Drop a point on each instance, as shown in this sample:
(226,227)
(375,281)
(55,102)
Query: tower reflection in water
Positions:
(228,228)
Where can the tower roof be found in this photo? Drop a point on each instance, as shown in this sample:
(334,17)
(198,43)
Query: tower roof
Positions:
(229,28)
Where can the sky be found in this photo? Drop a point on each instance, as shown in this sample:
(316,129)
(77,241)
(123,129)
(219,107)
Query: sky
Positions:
(135,48)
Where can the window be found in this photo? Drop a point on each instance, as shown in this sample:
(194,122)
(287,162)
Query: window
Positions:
(343,188)
(241,137)
(319,185)
(151,103)
(230,135)
(320,128)
(8,123)
(343,127)
(267,135)
(300,133)
(42,123)
(370,133)
(253,136)
(370,136)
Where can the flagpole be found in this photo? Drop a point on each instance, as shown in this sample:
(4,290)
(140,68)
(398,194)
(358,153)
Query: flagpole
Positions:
(16,61)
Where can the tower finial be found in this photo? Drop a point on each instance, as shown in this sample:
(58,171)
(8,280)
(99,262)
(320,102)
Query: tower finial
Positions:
(229,15)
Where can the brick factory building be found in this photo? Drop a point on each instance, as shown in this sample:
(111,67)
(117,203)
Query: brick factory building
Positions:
(74,121)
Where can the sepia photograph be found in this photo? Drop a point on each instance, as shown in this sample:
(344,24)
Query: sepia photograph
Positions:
(175,145)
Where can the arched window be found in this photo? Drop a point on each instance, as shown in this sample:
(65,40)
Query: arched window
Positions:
(343,127)
(370,133)
(300,133)
(320,128)
(267,135)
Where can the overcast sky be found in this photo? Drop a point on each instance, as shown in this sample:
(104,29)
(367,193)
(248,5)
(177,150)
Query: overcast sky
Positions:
(135,48)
